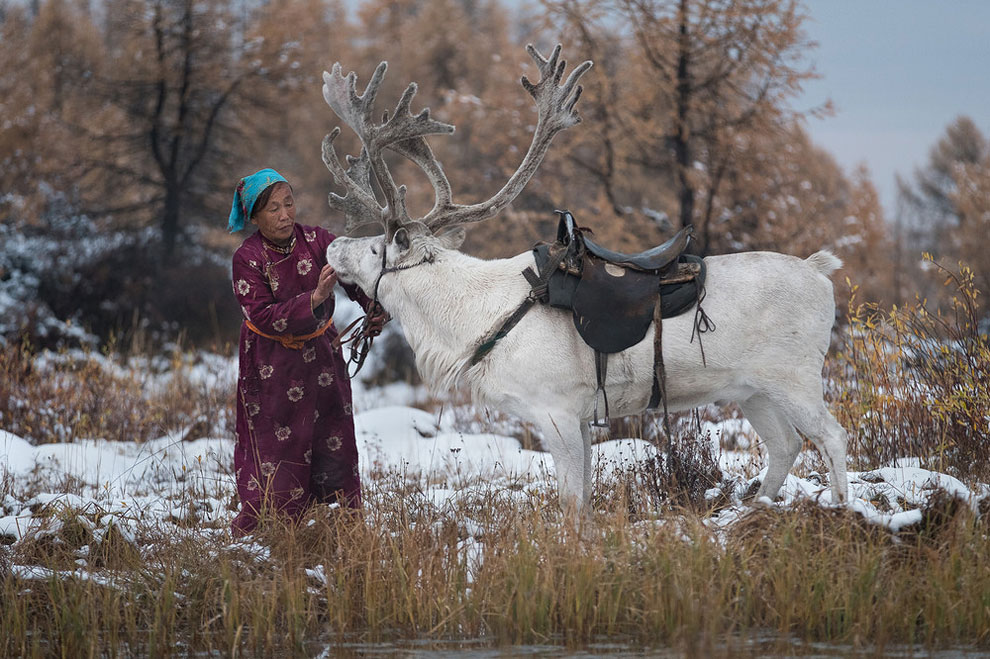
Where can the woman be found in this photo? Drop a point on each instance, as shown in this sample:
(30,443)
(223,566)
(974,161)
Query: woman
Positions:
(295,429)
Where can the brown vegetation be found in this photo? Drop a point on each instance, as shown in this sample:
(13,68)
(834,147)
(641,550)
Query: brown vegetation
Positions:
(914,380)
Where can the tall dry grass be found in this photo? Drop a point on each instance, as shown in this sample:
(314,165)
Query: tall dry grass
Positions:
(508,570)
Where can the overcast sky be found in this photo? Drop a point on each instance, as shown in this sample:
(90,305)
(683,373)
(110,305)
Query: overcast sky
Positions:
(898,72)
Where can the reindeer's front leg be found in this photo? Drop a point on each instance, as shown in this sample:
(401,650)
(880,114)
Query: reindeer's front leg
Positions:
(588,466)
(571,451)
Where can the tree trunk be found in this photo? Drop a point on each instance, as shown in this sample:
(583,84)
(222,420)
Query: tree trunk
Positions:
(682,138)
(170,221)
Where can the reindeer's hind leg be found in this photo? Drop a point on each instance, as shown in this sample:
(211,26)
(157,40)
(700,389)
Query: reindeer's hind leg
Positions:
(830,438)
(812,419)
(781,442)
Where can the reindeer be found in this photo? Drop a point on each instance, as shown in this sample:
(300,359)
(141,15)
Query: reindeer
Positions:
(774,312)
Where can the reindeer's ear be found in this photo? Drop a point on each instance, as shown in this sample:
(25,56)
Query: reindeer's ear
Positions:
(452,238)
(401,239)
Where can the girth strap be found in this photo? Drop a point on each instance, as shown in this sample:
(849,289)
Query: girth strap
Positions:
(659,372)
(539,293)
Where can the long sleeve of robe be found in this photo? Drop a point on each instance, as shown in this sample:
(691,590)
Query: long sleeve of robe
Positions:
(295,426)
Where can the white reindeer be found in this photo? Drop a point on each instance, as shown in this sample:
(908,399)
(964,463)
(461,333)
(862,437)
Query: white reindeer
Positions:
(774,312)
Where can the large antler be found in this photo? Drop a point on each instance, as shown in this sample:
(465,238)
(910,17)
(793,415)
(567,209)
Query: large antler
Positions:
(359,204)
(555,105)
(405,134)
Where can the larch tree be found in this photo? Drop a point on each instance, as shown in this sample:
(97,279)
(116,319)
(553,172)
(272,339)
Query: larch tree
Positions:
(689,80)
(946,208)
(47,58)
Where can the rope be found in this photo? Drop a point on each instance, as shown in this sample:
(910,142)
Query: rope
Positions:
(702,322)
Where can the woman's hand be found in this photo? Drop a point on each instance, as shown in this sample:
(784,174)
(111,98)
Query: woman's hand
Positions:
(377,318)
(324,289)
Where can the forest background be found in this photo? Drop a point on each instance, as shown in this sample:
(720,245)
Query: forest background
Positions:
(125,124)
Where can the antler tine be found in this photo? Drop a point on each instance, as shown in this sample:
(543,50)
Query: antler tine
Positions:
(341,95)
(556,107)
(558,100)
(403,125)
(358,205)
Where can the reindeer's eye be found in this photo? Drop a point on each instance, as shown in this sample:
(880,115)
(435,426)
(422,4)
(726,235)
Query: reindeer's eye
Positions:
(374,251)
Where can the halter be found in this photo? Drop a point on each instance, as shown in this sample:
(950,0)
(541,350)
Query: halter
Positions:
(361,340)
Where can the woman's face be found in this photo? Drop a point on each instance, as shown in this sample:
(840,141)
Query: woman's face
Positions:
(278,217)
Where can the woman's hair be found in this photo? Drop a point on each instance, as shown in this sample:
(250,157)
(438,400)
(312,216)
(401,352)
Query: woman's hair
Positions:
(264,197)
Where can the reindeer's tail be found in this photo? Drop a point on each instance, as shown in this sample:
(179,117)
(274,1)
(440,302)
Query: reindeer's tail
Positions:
(825,262)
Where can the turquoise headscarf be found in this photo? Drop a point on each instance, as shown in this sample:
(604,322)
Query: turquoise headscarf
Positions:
(247,193)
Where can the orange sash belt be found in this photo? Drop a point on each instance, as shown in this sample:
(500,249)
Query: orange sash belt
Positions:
(291,341)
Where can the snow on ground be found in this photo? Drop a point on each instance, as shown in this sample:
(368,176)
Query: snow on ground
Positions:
(450,454)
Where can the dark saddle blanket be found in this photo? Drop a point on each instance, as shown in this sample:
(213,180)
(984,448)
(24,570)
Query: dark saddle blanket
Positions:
(612,295)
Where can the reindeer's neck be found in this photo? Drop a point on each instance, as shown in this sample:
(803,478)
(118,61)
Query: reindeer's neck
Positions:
(447,306)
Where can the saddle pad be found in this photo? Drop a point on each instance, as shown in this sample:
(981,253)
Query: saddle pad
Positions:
(612,306)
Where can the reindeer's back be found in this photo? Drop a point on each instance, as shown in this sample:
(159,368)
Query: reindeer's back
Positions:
(765,307)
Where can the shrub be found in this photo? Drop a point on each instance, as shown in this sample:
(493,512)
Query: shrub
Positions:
(916,382)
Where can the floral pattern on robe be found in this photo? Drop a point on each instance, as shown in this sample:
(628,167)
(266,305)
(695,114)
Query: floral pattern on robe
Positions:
(295,428)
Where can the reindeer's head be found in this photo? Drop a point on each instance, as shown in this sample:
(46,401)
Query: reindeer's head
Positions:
(409,241)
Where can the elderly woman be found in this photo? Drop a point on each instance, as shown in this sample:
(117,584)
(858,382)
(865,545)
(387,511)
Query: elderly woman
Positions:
(295,429)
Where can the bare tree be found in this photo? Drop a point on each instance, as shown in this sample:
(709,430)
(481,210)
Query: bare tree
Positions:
(189,91)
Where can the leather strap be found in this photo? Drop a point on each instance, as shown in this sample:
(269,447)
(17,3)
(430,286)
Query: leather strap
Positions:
(601,373)
(659,372)
(537,294)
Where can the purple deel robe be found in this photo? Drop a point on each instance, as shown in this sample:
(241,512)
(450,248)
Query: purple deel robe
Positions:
(295,424)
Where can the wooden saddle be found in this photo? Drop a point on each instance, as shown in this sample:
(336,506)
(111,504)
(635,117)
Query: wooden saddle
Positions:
(613,297)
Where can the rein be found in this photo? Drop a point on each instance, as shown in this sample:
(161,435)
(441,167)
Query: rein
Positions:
(361,339)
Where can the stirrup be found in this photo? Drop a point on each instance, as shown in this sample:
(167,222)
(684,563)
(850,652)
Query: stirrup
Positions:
(600,422)
(601,369)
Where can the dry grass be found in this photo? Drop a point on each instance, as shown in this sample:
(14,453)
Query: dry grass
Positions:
(126,396)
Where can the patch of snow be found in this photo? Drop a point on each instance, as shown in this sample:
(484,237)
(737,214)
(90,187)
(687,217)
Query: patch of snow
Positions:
(16,454)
